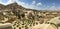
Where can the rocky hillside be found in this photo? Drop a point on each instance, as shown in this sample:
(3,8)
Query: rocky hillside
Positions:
(23,18)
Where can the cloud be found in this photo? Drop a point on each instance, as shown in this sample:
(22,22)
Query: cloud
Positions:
(53,4)
(38,4)
(9,2)
(33,2)
(33,5)
(19,3)
(53,8)
(26,5)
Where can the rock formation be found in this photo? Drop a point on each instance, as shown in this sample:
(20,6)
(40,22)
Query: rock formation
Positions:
(24,18)
(6,26)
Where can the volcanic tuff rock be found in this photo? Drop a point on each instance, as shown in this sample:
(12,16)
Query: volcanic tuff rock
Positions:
(23,18)
(6,26)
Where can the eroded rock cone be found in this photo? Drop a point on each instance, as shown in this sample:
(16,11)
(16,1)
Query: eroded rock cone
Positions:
(55,21)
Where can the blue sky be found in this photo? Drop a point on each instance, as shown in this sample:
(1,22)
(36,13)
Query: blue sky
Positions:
(35,4)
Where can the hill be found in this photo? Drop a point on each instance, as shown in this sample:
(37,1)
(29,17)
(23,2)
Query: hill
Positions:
(22,17)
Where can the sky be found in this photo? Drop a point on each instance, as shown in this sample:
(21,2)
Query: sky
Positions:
(35,4)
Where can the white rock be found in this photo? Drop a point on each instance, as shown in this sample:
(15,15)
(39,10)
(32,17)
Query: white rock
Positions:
(6,26)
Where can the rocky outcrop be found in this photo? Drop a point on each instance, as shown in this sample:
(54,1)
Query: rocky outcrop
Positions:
(6,26)
(55,21)
(44,26)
